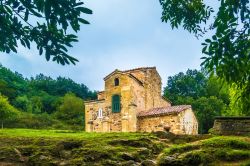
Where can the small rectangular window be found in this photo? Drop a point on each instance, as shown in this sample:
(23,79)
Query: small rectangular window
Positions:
(116,104)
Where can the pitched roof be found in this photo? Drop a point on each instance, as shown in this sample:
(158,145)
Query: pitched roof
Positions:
(126,71)
(164,111)
(140,68)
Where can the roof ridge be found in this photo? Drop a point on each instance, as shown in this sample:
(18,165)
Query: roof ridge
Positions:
(125,71)
(139,68)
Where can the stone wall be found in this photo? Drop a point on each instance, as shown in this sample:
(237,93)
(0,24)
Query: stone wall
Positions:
(232,125)
(158,123)
(92,122)
(188,122)
(182,123)
(124,89)
(151,92)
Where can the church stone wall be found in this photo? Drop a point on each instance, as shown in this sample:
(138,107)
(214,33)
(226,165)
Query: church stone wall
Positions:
(153,87)
(124,90)
(159,123)
(188,122)
(182,123)
(92,122)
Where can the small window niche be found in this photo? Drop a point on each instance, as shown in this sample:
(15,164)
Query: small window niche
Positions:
(99,115)
(117,81)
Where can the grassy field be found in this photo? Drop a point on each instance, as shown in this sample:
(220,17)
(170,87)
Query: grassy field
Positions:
(61,147)
(31,133)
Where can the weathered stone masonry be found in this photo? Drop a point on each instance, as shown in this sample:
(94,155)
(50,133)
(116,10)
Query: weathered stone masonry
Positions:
(129,103)
(232,125)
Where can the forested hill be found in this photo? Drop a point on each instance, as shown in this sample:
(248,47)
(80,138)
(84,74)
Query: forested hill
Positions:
(42,95)
(13,84)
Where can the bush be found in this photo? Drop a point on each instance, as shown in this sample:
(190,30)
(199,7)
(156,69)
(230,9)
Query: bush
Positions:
(7,111)
(40,121)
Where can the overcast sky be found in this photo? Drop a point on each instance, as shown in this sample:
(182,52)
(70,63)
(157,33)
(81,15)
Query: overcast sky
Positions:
(123,34)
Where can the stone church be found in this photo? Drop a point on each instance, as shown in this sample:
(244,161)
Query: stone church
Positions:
(132,102)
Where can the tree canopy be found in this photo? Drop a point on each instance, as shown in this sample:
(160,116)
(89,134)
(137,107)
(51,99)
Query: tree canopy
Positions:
(208,96)
(42,101)
(7,111)
(71,110)
(227,52)
(47,23)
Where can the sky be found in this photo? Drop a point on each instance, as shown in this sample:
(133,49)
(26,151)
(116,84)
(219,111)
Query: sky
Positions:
(123,34)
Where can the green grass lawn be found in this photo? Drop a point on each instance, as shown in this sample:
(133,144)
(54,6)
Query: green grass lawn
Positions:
(64,147)
(65,134)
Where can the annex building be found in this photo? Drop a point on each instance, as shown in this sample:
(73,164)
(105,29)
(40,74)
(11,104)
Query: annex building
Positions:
(132,102)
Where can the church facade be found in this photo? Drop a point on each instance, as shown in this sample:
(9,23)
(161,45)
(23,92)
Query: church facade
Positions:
(132,102)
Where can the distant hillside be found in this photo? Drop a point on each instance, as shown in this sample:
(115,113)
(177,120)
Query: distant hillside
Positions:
(41,100)
(13,84)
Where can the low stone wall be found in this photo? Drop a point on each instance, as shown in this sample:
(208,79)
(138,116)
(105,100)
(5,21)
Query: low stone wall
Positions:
(232,125)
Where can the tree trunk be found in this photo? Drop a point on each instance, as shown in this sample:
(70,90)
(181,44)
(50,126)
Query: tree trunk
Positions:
(2,124)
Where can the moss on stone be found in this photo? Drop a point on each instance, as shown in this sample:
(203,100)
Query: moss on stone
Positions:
(207,152)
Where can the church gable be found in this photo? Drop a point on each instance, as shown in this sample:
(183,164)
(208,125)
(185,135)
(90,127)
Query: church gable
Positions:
(138,74)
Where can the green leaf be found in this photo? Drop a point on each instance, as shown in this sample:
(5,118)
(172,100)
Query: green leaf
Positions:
(214,37)
(26,15)
(47,55)
(27,42)
(83,21)
(84,10)
(40,51)
(204,49)
(208,40)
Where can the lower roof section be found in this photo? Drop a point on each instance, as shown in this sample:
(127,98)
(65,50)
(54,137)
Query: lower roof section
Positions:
(164,111)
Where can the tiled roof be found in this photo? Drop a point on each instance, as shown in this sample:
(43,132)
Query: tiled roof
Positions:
(164,110)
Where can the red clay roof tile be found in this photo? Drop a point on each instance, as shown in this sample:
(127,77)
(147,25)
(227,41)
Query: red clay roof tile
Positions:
(164,110)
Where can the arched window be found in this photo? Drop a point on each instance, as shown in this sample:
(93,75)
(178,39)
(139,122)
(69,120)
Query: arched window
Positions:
(99,113)
(116,106)
(116,81)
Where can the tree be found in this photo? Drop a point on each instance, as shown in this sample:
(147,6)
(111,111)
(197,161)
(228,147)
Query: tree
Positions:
(191,84)
(60,86)
(37,104)
(12,84)
(23,103)
(208,95)
(236,105)
(227,52)
(218,88)
(6,110)
(44,22)
(6,90)
(206,109)
(71,110)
